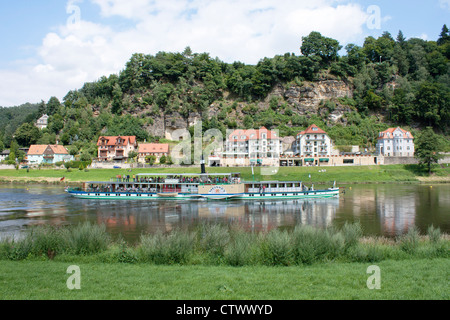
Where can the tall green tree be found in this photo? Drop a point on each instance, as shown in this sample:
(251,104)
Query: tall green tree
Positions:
(427,147)
(117,100)
(27,134)
(444,37)
(317,45)
(401,38)
(53,106)
(433,104)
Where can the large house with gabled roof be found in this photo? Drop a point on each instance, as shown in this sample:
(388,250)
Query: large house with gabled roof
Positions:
(313,142)
(116,148)
(253,144)
(38,154)
(152,149)
(395,142)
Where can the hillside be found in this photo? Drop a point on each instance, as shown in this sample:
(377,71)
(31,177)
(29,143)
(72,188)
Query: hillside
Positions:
(386,82)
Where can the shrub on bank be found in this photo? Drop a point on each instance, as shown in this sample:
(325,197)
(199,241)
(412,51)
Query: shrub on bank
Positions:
(159,248)
(84,239)
(218,244)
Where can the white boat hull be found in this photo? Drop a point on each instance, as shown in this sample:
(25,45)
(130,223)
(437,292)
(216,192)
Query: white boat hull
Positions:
(328,193)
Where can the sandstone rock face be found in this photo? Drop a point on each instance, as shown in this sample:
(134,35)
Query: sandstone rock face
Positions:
(303,100)
(164,127)
(306,99)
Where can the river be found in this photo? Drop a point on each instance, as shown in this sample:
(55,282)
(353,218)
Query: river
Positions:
(382,209)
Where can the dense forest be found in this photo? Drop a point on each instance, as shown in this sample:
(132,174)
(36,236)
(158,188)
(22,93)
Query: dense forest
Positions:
(394,81)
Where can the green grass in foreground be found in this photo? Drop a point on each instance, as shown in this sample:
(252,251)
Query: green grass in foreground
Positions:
(353,174)
(218,262)
(407,279)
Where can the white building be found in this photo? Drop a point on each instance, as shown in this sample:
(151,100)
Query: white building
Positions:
(395,142)
(258,146)
(4,155)
(48,154)
(42,122)
(313,142)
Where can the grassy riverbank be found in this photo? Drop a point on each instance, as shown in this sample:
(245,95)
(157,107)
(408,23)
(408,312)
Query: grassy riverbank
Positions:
(215,244)
(46,280)
(323,175)
(219,262)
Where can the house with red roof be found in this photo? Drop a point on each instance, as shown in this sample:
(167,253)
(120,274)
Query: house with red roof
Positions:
(116,148)
(38,154)
(153,149)
(395,142)
(253,144)
(313,142)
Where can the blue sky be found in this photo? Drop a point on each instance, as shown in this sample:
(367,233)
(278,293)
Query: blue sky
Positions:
(48,49)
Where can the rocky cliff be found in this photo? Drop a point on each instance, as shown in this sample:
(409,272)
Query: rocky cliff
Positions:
(305,99)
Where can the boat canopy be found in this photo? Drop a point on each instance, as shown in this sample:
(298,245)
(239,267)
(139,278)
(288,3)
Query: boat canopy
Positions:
(188,174)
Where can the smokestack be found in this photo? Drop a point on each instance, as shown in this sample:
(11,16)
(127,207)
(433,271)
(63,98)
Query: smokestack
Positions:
(202,164)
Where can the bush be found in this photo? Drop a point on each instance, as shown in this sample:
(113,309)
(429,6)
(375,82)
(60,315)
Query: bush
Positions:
(211,243)
(46,240)
(213,239)
(352,233)
(369,253)
(239,251)
(434,234)
(86,239)
(16,250)
(77,164)
(278,249)
(410,241)
(174,248)
(306,241)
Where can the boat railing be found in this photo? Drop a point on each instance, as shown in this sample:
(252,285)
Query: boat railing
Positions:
(269,190)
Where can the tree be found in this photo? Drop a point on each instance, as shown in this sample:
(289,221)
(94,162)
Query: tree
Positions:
(401,38)
(317,45)
(126,126)
(53,106)
(380,49)
(132,155)
(85,156)
(433,104)
(444,37)
(355,55)
(427,148)
(150,160)
(163,159)
(437,63)
(117,100)
(27,134)
(55,123)
(402,110)
(42,109)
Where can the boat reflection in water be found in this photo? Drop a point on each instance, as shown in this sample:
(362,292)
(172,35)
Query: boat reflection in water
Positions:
(134,219)
(382,210)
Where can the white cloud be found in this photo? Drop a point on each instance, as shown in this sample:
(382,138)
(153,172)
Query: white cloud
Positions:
(423,36)
(236,30)
(445,4)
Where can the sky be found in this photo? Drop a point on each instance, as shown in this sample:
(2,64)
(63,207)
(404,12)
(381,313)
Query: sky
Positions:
(50,47)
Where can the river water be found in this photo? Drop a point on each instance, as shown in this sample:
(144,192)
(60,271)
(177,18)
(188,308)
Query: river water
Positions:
(382,209)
